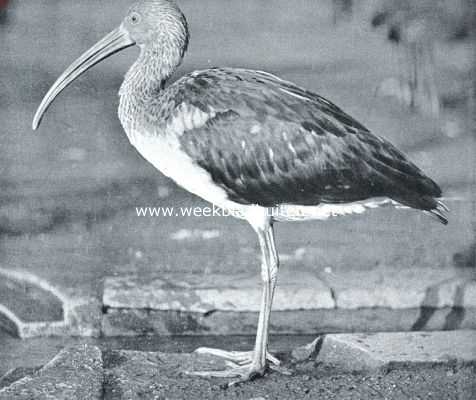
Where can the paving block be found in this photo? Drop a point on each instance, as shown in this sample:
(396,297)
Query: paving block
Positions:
(384,286)
(16,374)
(75,373)
(366,351)
(30,306)
(469,296)
(349,301)
(82,318)
(224,292)
(32,301)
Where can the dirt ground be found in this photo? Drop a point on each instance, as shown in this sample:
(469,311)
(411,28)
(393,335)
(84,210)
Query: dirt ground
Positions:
(141,373)
(424,383)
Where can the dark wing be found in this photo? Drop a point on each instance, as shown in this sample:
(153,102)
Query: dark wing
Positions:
(269,142)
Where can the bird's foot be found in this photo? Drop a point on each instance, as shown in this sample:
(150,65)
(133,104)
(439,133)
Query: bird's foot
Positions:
(236,357)
(243,373)
(241,365)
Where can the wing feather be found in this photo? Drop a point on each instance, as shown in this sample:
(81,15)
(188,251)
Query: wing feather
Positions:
(271,142)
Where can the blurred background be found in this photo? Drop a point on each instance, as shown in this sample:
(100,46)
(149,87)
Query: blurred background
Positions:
(69,191)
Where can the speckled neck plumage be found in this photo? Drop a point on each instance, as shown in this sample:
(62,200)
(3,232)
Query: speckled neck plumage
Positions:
(141,88)
(147,77)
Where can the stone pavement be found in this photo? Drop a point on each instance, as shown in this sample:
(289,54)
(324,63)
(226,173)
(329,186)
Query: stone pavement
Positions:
(307,302)
(437,365)
(74,373)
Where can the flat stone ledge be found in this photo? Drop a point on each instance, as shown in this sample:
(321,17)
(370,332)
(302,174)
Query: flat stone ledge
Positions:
(75,373)
(361,301)
(356,352)
(203,294)
(381,286)
(384,286)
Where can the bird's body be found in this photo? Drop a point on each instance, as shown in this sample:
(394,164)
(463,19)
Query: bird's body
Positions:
(240,138)
(249,142)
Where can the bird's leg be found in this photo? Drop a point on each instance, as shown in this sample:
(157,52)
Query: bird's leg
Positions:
(269,275)
(248,365)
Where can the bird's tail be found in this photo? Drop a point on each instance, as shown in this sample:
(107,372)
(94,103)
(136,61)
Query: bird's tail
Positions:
(429,205)
(440,212)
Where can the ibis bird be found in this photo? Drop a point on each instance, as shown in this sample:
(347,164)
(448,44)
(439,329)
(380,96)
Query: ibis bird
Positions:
(249,142)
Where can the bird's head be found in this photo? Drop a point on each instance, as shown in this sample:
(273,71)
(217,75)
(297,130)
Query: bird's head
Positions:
(158,27)
(155,23)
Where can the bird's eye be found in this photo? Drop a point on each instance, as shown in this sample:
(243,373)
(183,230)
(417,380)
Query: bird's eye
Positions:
(134,18)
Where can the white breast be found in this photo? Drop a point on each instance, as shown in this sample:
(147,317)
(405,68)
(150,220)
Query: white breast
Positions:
(165,154)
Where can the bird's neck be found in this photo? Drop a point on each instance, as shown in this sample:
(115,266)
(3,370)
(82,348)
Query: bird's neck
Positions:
(143,84)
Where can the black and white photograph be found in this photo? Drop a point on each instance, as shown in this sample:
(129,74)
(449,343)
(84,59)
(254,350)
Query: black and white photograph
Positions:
(237,199)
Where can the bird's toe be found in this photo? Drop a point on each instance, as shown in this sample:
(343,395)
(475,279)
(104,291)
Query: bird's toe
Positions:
(236,357)
(242,373)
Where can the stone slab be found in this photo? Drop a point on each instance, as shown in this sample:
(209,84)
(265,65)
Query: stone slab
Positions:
(75,373)
(31,306)
(469,295)
(367,351)
(30,300)
(16,374)
(384,286)
(224,292)
(138,322)
(366,301)
(82,318)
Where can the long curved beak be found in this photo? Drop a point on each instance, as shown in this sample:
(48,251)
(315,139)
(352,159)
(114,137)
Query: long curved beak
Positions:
(115,41)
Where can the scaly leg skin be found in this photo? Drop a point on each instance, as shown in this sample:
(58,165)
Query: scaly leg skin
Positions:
(249,365)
